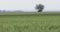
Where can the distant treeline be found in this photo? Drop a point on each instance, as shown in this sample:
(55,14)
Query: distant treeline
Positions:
(11,11)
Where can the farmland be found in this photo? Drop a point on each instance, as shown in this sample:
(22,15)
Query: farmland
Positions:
(30,22)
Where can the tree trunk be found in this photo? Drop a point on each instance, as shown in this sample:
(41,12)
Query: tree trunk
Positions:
(40,10)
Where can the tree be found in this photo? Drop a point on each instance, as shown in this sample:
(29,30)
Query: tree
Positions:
(39,7)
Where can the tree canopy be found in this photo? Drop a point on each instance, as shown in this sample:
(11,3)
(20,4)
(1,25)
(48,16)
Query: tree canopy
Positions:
(39,7)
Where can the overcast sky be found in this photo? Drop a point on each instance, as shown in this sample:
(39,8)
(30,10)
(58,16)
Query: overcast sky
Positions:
(28,4)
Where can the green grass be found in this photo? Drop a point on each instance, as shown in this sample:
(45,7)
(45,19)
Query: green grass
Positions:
(18,13)
(29,23)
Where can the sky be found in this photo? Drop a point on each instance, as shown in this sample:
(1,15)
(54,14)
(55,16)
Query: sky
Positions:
(29,4)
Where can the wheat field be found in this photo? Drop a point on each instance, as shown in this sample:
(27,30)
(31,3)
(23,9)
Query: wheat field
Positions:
(30,22)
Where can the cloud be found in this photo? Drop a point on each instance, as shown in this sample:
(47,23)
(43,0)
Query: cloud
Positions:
(29,4)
